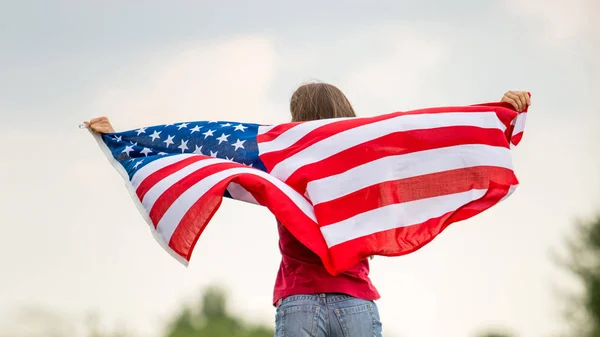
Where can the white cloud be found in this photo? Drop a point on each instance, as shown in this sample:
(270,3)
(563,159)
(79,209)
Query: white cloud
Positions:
(398,72)
(561,19)
(225,80)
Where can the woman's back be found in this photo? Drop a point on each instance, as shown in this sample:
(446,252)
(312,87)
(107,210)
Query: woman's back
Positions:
(302,272)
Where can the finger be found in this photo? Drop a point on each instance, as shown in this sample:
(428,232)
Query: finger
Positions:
(512,102)
(527,98)
(98,120)
(517,99)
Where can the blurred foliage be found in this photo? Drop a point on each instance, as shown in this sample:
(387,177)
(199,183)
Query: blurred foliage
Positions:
(211,319)
(584,262)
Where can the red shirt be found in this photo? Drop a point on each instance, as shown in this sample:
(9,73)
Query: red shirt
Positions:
(302,272)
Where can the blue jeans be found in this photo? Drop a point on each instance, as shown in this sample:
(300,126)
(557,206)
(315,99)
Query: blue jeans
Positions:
(327,315)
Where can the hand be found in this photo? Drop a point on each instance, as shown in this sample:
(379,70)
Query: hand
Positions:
(100,125)
(518,99)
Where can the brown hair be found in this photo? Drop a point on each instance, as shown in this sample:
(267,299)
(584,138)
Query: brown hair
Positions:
(314,101)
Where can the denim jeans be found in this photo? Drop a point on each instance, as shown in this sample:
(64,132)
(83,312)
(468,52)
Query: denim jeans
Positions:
(327,315)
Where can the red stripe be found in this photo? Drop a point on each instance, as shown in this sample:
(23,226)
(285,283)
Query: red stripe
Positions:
(273,158)
(394,144)
(164,172)
(195,220)
(411,189)
(164,202)
(516,139)
(405,240)
(275,132)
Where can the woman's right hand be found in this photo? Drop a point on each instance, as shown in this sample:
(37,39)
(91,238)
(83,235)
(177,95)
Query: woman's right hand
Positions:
(100,125)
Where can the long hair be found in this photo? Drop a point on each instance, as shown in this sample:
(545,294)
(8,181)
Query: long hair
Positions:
(314,101)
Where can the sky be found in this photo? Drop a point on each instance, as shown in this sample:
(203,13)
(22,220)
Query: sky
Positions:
(73,243)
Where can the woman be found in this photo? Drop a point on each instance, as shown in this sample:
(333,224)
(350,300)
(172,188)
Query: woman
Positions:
(311,302)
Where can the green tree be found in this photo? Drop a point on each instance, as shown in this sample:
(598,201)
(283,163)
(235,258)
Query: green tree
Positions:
(584,263)
(211,319)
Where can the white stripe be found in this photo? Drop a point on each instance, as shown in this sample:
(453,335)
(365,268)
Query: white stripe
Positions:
(172,217)
(159,188)
(520,124)
(262,129)
(239,193)
(154,166)
(395,216)
(291,136)
(406,166)
(352,137)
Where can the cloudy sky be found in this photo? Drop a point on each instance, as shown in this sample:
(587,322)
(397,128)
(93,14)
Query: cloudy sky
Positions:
(72,241)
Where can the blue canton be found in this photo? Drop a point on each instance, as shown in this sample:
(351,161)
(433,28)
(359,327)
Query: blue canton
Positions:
(220,139)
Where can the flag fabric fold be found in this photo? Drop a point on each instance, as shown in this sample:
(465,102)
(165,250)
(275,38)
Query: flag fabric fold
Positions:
(346,188)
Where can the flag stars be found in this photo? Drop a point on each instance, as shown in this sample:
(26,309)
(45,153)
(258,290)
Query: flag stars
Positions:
(169,141)
(183,146)
(223,138)
(198,149)
(138,164)
(225,125)
(214,154)
(240,127)
(227,158)
(195,129)
(141,130)
(182,126)
(239,144)
(118,138)
(155,135)
(209,133)
(146,151)
(128,149)
(162,153)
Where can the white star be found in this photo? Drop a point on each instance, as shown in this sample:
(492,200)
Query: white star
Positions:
(212,121)
(196,128)
(238,144)
(213,154)
(138,164)
(183,146)
(240,128)
(182,125)
(169,141)
(118,138)
(155,135)
(128,149)
(169,124)
(145,151)
(225,125)
(249,165)
(162,154)
(198,150)
(227,158)
(141,130)
(208,133)
(223,138)
(132,143)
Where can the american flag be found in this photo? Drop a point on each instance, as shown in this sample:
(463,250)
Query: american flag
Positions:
(346,188)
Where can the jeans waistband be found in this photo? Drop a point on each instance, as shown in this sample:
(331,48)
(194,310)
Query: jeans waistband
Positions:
(325,297)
